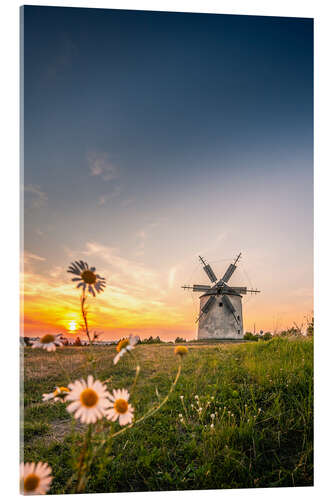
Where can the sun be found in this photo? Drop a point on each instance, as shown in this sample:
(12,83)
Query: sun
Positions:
(72,326)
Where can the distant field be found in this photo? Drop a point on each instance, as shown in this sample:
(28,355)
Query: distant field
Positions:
(261,394)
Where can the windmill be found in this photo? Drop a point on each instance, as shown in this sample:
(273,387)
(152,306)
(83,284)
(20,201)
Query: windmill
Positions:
(221,315)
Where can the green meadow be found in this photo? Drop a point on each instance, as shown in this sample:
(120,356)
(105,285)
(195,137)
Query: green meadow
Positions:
(240,416)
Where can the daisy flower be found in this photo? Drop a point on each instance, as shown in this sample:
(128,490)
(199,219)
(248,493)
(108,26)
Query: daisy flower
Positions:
(124,346)
(48,342)
(87,277)
(181,350)
(59,393)
(35,478)
(120,408)
(88,400)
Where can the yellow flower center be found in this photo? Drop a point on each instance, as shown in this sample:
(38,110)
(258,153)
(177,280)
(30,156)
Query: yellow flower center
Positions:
(121,405)
(58,391)
(122,344)
(30,483)
(89,398)
(88,277)
(47,339)
(181,350)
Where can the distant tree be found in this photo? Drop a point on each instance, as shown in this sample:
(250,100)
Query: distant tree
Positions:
(267,336)
(27,341)
(290,332)
(152,340)
(179,340)
(77,341)
(251,336)
(310,327)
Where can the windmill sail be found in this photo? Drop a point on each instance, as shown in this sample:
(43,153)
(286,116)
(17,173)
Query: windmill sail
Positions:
(240,289)
(227,302)
(229,272)
(210,273)
(207,306)
(201,288)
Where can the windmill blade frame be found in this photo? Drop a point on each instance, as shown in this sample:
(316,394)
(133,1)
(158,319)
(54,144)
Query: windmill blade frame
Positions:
(208,270)
(210,273)
(201,288)
(229,272)
(207,306)
(227,302)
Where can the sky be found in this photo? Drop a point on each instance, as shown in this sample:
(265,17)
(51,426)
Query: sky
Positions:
(151,138)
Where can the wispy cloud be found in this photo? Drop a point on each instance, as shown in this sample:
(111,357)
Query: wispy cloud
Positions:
(38,197)
(143,235)
(141,238)
(100,165)
(102,200)
(127,201)
(171,276)
(105,198)
(135,298)
(28,257)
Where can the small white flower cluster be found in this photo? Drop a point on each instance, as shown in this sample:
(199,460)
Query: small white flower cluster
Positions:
(90,401)
(200,410)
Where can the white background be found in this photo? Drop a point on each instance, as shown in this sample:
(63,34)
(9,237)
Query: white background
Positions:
(10,232)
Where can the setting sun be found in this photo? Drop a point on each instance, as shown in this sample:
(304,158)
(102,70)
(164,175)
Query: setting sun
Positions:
(72,326)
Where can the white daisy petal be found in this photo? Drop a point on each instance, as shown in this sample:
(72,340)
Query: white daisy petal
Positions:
(116,358)
(88,400)
(119,408)
(35,479)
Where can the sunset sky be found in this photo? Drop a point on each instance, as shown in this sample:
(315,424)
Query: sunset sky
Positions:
(152,138)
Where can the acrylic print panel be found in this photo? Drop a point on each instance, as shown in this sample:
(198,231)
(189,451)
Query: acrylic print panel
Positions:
(168,320)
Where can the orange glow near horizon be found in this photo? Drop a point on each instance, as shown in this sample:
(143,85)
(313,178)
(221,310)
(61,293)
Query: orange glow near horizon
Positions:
(141,301)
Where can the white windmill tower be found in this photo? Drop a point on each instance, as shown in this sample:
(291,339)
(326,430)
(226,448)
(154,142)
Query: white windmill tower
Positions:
(221,315)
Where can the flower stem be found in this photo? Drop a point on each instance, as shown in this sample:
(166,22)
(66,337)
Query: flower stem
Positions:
(84,314)
(137,372)
(80,480)
(152,411)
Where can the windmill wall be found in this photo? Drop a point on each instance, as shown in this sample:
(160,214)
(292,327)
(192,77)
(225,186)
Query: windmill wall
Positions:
(219,322)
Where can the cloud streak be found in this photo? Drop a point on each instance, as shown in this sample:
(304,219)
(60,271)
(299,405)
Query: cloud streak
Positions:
(135,299)
(39,197)
(101,166)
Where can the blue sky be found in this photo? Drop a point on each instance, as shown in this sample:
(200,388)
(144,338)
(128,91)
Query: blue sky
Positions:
(152,137)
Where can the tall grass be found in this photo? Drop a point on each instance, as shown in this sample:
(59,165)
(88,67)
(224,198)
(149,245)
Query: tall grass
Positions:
(261,396)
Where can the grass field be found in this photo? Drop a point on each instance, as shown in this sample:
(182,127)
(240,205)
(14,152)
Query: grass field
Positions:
(261,396)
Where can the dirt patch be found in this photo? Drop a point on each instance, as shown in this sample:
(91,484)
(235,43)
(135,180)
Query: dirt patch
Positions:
(59,429)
